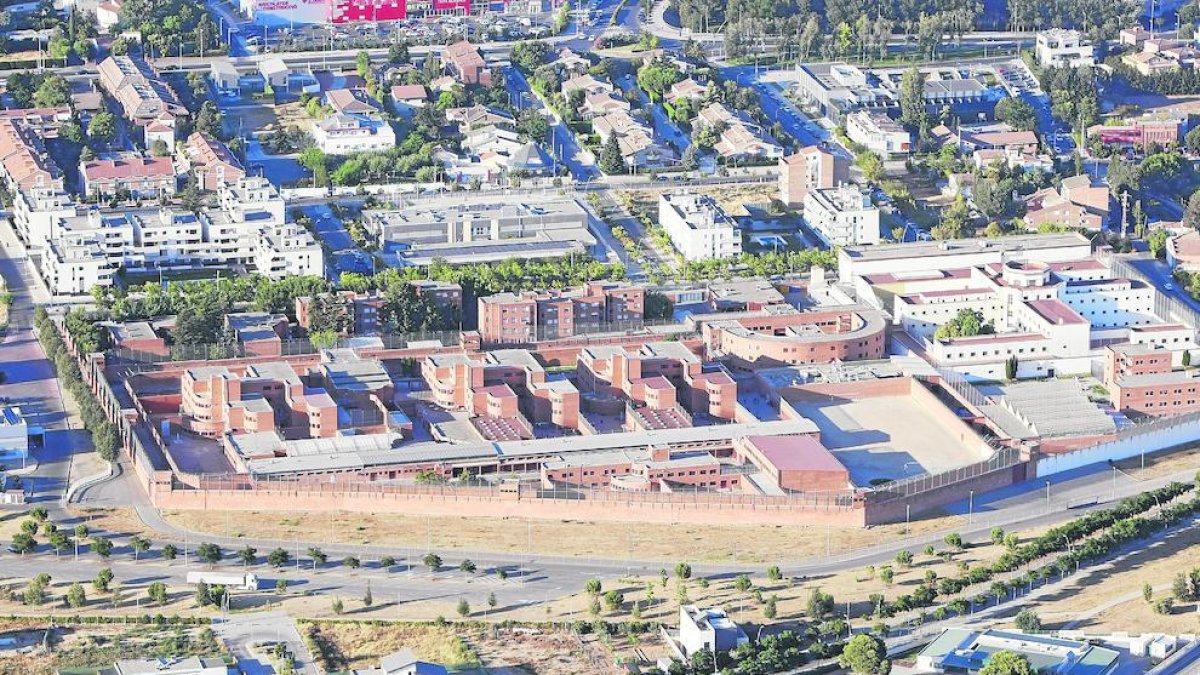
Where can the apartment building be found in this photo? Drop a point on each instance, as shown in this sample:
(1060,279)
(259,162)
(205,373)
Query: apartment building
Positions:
(1142,378)
(138,176)
(210,161)
(145,98)
(878,133)
(812,168)
(362,310)
(508,318)
(1062,48)
(463,60)
(1075,204)
(779,335)
(699,228)
(842,215)
(341,134)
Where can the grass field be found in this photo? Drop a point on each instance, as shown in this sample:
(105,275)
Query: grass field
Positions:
(644,541)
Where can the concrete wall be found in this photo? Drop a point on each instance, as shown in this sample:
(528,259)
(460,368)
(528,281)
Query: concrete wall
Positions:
(1155,437)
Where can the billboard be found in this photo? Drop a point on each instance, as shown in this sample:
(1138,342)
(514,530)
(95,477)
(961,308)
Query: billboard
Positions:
(278,13)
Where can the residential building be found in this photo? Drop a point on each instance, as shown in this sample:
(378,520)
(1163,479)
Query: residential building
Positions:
(602,103)
(463,60)
(746,143)
(225,78)
(699,228)
(587,84)
(508,318)
(25,163)
(478,116)
(878,133)
(1059,48)
(568,62)
(354,101)
(145,98)
(1142,378)
(687,89)
(340,134)
(1075,204)
(812,168)
(408,97)
(108,14)
(665,383)
(962,650)
(634,138)
(138,176)
(210,161)
(710,629)
(838,88)
(216,401)
(842,215)
(275,72)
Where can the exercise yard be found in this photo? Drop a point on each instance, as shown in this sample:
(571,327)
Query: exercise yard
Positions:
(885,437)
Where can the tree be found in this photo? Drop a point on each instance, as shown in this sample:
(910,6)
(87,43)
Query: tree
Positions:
(248,555)
(1007,663)
(613,600)
(157,592)
(1186,358)
(159,148)
(865,654)
(742,583)
(771,609)
(337,606)
(368,598)
(278,557)
(1157,241)
(690,160)
(1028,621)
(139,546)
(819,604)
(103,546)
(433,561)
(22,543)
(398,53)
(491,600)
(76,596)
(912,100)
(956,221)
(362,62)
(281,586)
(467,566)
(683,571)
(773,573)
(1191,215)
(1011,365)
(203,595)
(53,92)
(102,580)
(1017,113)
(103,127)
(209,553)
(39,513)
(317,556)
(1192,140)
(592,586)
(887,575)
(351,561)
(1147,592)
(387,562)
(954,540)
(611,159)
(464,607)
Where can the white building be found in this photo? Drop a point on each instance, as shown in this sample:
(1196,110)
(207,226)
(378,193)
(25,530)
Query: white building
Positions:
(247,231)
(699,228)
(191,665)
(842,215)
(1058,48)
(14,433)
(708,628)
(341,134)
(878,133)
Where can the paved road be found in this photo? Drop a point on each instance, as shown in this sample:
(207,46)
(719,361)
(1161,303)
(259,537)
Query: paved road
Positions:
(564,147)
(241,632)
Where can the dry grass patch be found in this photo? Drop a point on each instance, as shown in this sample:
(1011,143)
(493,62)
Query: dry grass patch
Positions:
(349,645)
(1162,464)
(761,544)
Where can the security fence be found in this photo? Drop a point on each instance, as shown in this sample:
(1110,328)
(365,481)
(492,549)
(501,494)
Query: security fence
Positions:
(1003,458)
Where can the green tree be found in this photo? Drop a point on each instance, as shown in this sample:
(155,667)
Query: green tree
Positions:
(203,595)
(742,583)
(76,596)
(139,546)
(247,555)
(912,100)
(103,127)
(317,556)
(53,92)
(865,654)
(209,553)
(611,160)
(433,561)
(1028,621)
(683,571)
(613,600)
(278,557)
(592,586)
(368,597)
(773,573)
(464,608)
(102,580)
(337,606)
(467,566)
(955,541)
(351,561)
(102,546)
(1007,663)
(157,592)
(887,575)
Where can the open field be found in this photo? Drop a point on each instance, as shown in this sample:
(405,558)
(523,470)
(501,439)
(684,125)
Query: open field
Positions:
(83,648)
(642,541)
(1162,464)
(264,117)
(502,651)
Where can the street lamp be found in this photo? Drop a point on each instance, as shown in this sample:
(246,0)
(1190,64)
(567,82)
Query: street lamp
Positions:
(1047,496)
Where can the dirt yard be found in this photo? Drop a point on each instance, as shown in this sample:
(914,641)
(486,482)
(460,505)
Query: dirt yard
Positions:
(266,117)
(83,648)
(645,541)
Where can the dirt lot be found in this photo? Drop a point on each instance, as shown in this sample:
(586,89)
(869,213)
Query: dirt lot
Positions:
(731,198)
(501,651)
(1162,464)
(695,543)
(265,117)
(83,648)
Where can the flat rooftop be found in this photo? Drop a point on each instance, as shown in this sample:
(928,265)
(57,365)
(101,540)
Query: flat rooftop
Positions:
(928,249)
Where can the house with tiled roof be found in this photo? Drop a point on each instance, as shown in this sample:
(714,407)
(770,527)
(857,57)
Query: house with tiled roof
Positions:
(140,176)
(352,102)
(145,98)
(464,61)
(211,161)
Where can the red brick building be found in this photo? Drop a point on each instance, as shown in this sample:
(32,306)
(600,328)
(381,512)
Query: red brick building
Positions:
(506,318)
